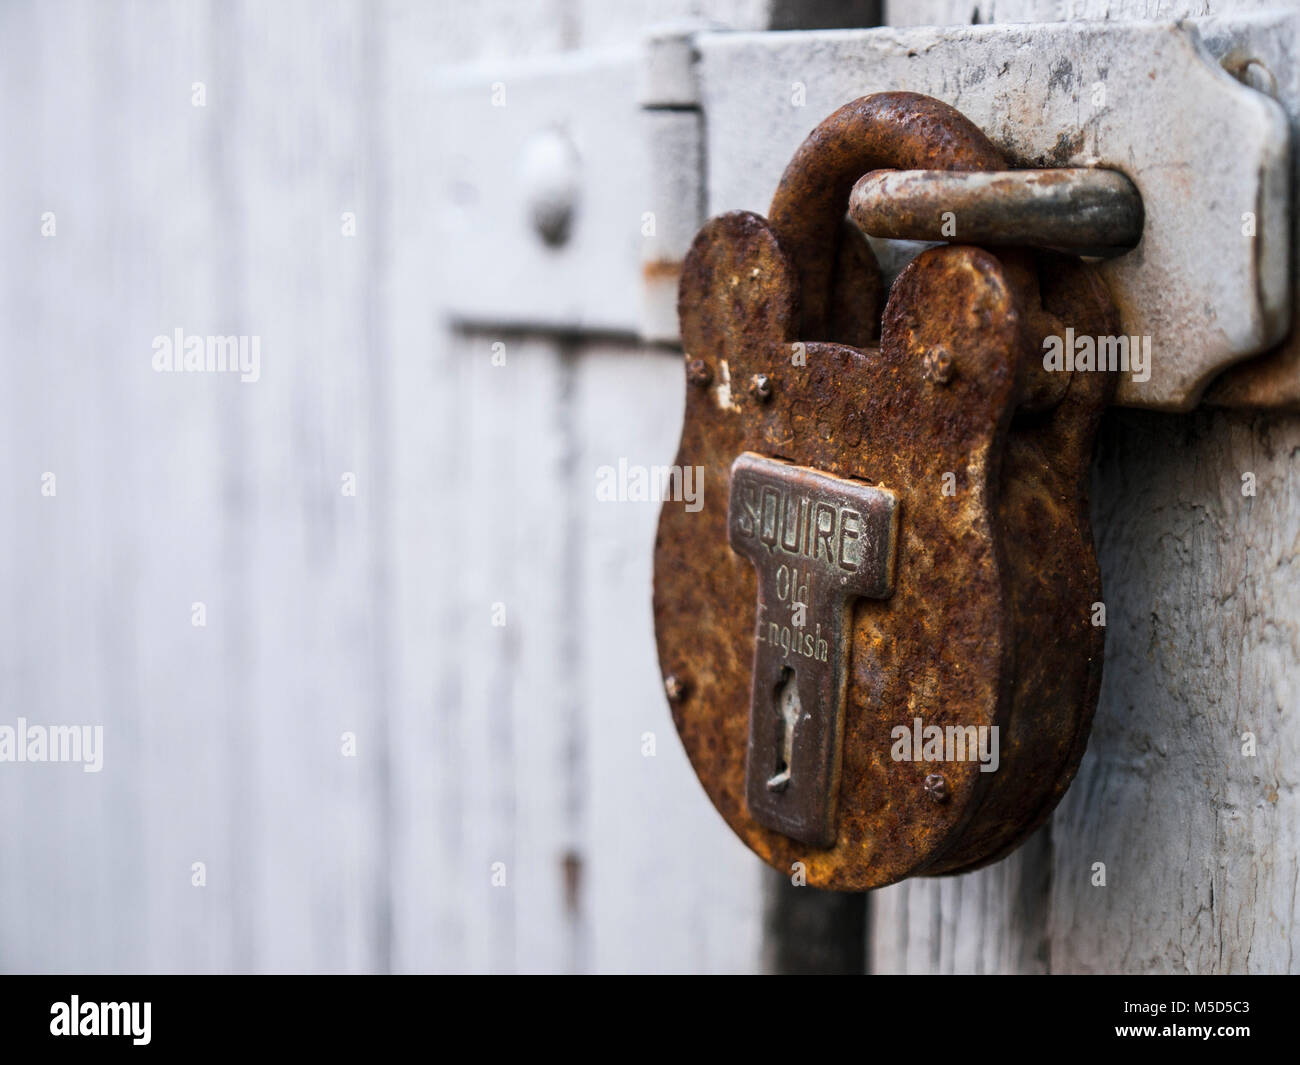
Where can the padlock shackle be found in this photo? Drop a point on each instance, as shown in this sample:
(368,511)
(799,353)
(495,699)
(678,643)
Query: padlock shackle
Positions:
(886,131)
(1084,210)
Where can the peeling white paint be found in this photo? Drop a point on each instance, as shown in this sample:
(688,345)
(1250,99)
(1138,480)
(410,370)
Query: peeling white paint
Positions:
(722,392)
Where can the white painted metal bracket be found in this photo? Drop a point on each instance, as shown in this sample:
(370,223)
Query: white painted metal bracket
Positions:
(561,135)
(614,139)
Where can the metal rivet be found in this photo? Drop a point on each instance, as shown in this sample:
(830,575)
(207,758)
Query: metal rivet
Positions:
(675,688)
(761,387)
(936,786)
(698,373)
(938,366)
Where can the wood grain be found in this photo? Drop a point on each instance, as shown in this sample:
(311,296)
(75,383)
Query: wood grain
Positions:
(326,613)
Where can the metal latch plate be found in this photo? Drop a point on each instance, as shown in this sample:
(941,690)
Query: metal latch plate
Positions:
(1209,283)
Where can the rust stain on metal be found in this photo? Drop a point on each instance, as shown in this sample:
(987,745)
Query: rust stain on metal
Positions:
(989,620)
(1267,382)
(661,269)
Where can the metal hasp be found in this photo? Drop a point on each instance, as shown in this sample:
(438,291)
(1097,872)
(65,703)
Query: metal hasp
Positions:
(817,542)
(1208,285)
(947,425)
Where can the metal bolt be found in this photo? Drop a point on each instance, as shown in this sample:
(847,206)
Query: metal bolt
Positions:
(936,786)
(760,385)
(938,366)
(675,688)
(550,176)
(698,373)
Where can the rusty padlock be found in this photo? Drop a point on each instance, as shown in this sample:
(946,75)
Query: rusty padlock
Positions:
(878,641)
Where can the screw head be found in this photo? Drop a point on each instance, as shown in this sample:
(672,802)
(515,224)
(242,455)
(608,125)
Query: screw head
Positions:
(938,366)
(936,786)
(698,373)
(675,688)
(760,386)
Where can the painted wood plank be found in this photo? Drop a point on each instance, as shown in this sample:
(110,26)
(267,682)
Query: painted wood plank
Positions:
(670,887)
(107,569)
(993,920)
(1197,834)
(303,550)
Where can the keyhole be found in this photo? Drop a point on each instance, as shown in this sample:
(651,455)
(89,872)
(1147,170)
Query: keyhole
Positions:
(787,710)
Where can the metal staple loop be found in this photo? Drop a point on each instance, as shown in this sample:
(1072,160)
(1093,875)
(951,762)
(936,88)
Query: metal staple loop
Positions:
(1086,211)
